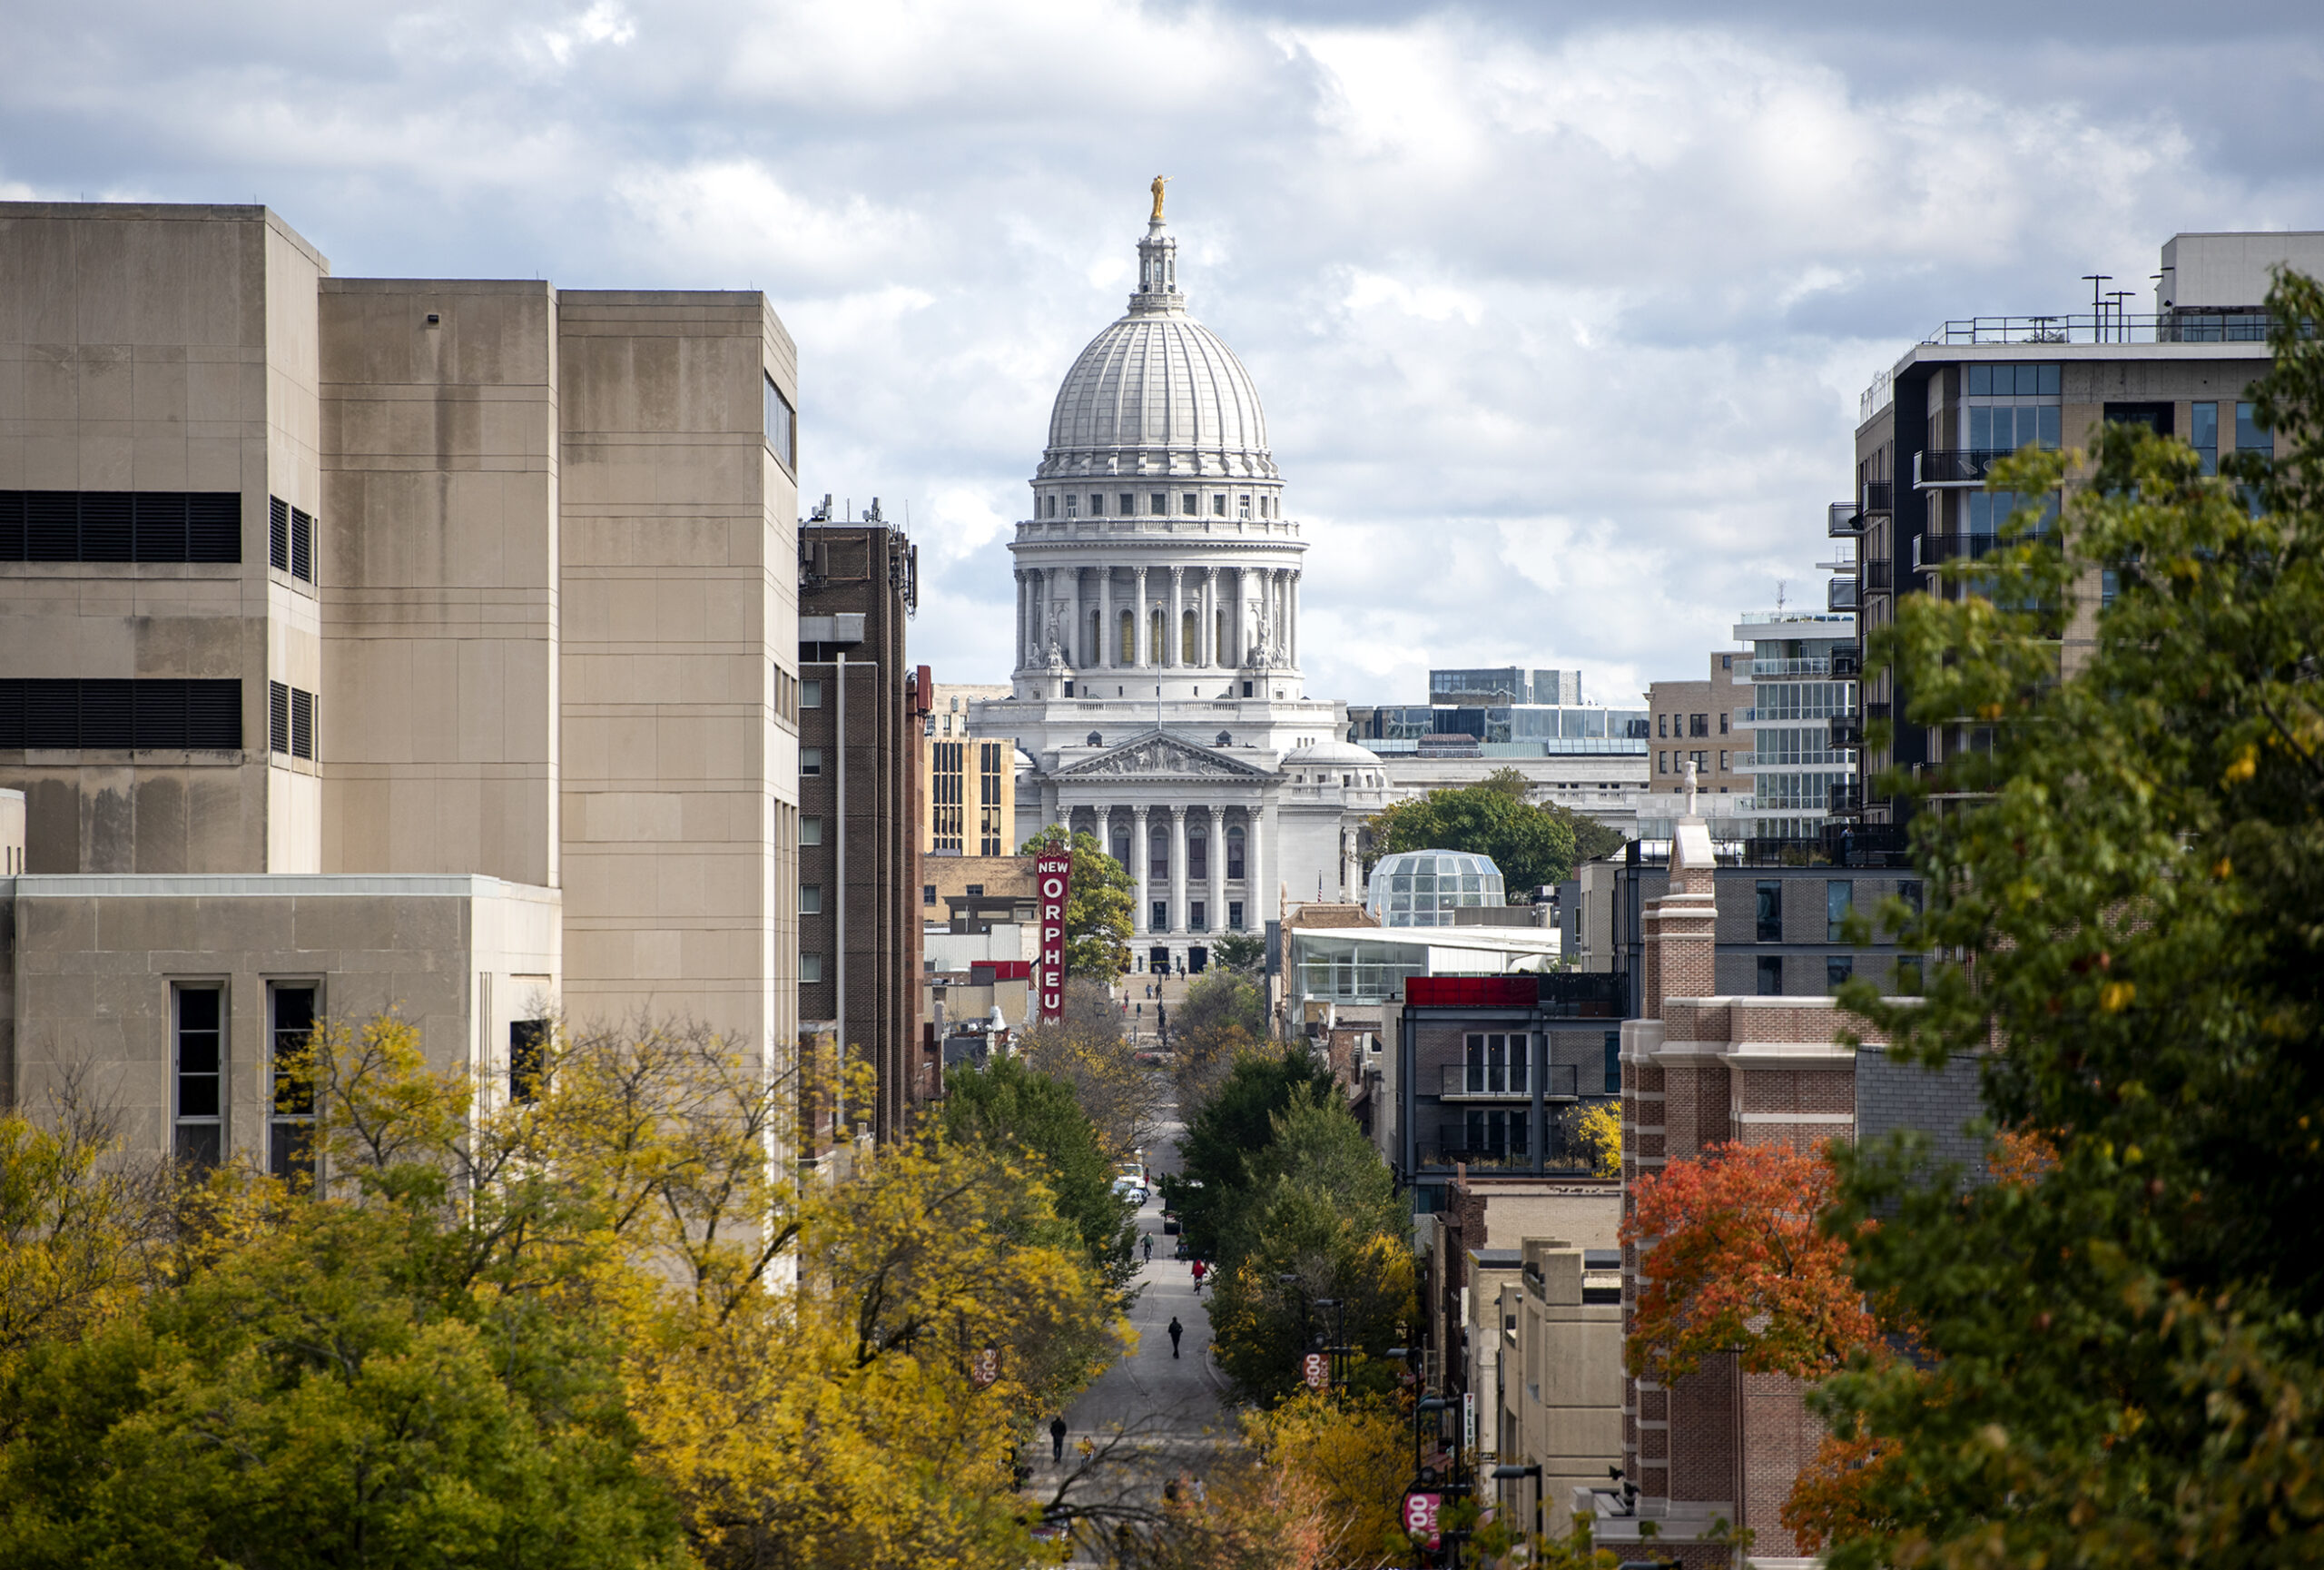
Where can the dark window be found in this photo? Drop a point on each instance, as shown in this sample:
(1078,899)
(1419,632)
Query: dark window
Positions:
(161,712)
(1837,969)
(1770,911)
(976,890)
(1198,856)
(1235,855)
(928,894)
(120,526)
(528,1058)
(1839,900)
(1197,916)
(811,760)
(782,427)
(1613,1062)
(811,899)
(290,1120)
(1723,717)
(1699,724)
(1771,975)
(1909,975)
(1235,915)
(200,1069)
(1160,922)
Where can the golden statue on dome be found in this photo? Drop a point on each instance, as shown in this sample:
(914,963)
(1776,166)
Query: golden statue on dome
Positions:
(1159,182)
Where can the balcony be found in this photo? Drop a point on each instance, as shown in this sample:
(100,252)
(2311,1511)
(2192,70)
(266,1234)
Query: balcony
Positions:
(1848,731)
(1964,466)
(1847,665)
(1845,801)
(1840,594)
(1505,1082)
(1762,669)
(1843,521)
(1879,496)
(1852,845)
(1879,576)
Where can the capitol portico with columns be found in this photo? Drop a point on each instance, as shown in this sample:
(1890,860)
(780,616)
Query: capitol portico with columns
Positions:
(1157,688)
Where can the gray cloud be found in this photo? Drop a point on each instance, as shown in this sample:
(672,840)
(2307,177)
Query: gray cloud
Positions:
(1561,323)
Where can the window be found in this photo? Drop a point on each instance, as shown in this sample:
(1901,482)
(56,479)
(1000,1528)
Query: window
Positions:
(1837,969)
(1699,724)
(65,713)
(1096,504)
(975,890)
(1701,760)
(1218,504)
(811,761)
(2250,435)
(121,525)
(2012,381)
(2202,434)
(811,966)
(1496,1064)
(1839,900)
(1243,505)
(1195,913)
(1770,911)
(1722,761)
(810,831)
(1909,890)
(1160,914)
(1198,856)
(782,427)
(290,1115)
(1613,1062)
(1157,503)
(1158,852)
(810,694)
(200,1050)
(527,1060)
(289,721)
(1073,504)
(1129,504)
(1770,975)
(1909,975)
(1723,717)
(928,894)
(811,899)
(1189,504)
(1662,726)
(1661,761)
(1235,856)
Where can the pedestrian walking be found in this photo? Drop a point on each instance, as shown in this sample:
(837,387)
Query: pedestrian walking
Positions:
(1149,1247)
(1202,1495)
(1176,1331)
(1199,1269)
(1057,1437)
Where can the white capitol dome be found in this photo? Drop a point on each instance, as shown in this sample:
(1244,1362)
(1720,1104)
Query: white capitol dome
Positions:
(1157,393)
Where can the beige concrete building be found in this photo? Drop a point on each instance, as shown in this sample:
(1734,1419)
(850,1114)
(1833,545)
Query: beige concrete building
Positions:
(371,643)
(1558,1350)
(1706,723)
(968,797)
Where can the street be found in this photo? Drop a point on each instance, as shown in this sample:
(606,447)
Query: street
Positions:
(1150,1417)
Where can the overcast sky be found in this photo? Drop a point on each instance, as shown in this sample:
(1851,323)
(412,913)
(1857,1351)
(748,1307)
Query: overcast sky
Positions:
(1559,323)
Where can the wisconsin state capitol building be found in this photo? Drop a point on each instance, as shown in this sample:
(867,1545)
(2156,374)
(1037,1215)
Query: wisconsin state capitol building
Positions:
(1157,688)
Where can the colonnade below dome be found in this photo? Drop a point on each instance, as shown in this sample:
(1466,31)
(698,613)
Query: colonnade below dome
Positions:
(1100,618)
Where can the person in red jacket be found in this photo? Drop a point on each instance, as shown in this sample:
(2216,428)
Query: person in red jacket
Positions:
(1200,1269)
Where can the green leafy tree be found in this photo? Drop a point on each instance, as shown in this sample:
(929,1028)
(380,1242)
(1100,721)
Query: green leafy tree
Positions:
(2123,1345)
(1224,1015)
(1532,845)
(1007,1106)
(1241,953)
(1232,1130)
(1097,905)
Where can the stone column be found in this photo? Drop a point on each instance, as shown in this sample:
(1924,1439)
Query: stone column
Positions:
(1139,654)
(1279,585)
(1049,802)
(1215,911)
(1140,861)
(1073,642)
(1291,611)
(1207,640)
(1173,654)
(1053,589)
(1105,618)
(1254,871)
(1177,869)
(1019,575)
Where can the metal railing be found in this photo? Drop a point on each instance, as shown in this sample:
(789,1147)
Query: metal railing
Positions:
(1879,496)
(1878,576)
(1931,551)
(1493,1081)
(1845,800)
(1845,664)
(2101,326)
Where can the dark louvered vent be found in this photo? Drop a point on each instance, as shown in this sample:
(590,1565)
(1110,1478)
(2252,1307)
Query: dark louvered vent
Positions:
(150,714)
(121,525)
(278,534)
(302,546)
(290,720)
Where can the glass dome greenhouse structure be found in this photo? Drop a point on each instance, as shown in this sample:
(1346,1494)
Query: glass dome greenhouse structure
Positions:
(1424,888)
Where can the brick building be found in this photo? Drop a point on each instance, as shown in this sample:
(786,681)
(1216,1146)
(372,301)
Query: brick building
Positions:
(860,729)
(1700,1068)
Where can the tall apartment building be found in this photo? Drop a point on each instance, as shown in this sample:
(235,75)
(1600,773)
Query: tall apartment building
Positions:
(1980,388)
(381,643)
(862,713)
(1704,722)
(1802,674)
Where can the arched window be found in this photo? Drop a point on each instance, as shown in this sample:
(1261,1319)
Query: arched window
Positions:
(1233,853)
(1128,655)
(1158,854)
(1198,855)
(1154,622)
(1189,640)
(1120,846)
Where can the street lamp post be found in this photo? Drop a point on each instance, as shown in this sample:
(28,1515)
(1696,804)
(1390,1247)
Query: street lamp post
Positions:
(1503,1474)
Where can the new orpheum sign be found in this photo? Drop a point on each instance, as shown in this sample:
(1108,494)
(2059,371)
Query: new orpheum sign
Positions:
(1053,881)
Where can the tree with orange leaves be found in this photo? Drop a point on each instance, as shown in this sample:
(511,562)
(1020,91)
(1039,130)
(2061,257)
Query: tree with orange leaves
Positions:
(1736,1263)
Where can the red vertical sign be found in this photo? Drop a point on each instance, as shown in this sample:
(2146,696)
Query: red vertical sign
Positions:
(1053,881)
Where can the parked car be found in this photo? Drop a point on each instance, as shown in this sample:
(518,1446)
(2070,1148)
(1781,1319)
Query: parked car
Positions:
(1131,1189)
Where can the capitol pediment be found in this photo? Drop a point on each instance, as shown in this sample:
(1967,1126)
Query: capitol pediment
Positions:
(1154,757)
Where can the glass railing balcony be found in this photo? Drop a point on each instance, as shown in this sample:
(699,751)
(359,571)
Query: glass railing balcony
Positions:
(1956,465)
(1846,731)
(1761,669)
(1843,520)
(1504,1082)
(1931,551)
(1840,594)
(1845,664)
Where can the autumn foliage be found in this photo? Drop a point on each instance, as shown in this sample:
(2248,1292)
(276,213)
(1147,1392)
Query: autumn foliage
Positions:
(1735,1262)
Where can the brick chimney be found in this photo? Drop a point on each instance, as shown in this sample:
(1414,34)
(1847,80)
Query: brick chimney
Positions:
(1681,928)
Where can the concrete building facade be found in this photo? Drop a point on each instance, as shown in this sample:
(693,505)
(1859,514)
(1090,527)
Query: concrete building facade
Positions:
(382,643)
